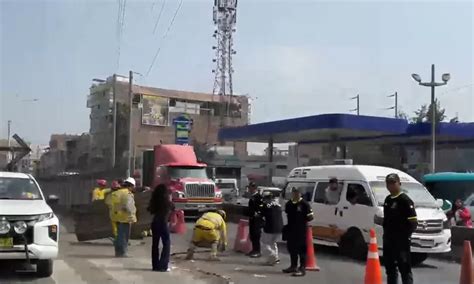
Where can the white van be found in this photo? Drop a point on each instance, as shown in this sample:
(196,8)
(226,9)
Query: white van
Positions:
(347,226)
(29,230)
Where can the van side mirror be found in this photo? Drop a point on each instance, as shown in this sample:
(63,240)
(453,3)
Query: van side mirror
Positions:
(439,202)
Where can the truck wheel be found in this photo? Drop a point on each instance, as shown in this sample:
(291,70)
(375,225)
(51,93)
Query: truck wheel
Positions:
(353,245)
(418,258)
(44,268)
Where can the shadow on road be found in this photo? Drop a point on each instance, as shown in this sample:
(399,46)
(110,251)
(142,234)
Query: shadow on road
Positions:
(9,274)
(90,256)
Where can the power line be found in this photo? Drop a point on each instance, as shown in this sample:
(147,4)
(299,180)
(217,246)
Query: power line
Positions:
(159,16)
(164,37)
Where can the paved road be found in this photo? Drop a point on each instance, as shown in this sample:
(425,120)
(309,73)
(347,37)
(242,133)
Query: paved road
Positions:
(92,262)
(334,268)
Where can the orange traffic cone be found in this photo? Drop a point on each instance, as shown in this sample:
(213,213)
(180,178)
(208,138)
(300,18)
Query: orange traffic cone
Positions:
(242,242)
(373,271)
(466,265)
(177,223)
(311,264)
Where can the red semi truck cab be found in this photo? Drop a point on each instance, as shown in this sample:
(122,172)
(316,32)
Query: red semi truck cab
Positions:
(176,166)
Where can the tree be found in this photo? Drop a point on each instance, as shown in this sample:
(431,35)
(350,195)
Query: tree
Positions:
(420,114)
(423,114)
(402,115)
(440,113)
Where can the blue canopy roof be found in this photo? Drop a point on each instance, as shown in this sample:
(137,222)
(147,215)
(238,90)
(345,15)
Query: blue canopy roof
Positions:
(343,127)
(438,177)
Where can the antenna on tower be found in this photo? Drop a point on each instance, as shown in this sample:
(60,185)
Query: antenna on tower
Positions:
(224,15)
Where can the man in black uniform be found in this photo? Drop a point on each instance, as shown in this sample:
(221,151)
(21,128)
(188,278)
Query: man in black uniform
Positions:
(398,225)
(255,220)
(299,213)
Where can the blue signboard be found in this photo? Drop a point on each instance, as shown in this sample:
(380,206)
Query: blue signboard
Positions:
(183,125)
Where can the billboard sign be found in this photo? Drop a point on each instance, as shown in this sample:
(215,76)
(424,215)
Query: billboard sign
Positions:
(183,125)
(155,111)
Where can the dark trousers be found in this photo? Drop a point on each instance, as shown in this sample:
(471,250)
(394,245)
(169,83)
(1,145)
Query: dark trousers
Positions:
(297,249)
(255,232)
(161,232)
(397,257)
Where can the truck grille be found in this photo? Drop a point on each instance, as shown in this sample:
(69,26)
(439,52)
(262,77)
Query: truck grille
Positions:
(199,190)
(429,227)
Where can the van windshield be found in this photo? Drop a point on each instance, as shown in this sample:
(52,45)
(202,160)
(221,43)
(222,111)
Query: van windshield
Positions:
(420,196)
(187,172)
(19,189)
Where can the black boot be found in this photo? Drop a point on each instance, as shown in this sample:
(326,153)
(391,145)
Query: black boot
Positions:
(290,269)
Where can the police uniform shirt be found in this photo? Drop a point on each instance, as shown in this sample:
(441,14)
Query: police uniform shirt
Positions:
(255,205)
(399,211)
(298,214)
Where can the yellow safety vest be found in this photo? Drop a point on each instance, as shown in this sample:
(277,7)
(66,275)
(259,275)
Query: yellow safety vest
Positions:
(118,211)
(98,194)
(213,221)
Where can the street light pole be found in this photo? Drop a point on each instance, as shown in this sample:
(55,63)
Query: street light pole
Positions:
(433,84)
(433,120)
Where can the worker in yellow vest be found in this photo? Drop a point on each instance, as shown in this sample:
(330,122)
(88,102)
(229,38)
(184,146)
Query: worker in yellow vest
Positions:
(123,213)
(99,192)
(210,231)
(114,186)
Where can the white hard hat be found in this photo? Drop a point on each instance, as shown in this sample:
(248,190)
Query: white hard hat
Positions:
(130,180)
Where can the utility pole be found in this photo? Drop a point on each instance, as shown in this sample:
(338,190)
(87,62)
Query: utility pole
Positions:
(358,105)
(395,107)
(130,124)
(114,122)
(433,84)
(9,135)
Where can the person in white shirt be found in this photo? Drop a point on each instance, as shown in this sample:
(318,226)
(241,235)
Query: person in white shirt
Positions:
(333,192)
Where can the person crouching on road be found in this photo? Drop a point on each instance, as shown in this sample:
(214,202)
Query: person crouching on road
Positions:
(273,225)
(124,214)
(299,213)
(399,223)
(210,231)
(160,207)
(255,219)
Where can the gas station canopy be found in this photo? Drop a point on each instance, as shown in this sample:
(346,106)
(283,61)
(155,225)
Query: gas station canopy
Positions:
(325,128)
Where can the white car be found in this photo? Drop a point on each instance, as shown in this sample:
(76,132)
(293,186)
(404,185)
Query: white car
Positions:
(244,200)
(228,187)
(29,230)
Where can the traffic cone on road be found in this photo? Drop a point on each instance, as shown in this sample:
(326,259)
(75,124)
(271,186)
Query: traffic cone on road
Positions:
(466,265)
(177,223)
(373,271)
(311,264)
(242,242)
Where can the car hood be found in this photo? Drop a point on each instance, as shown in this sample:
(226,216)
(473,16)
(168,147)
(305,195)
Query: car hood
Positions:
(430,213)
(23,207)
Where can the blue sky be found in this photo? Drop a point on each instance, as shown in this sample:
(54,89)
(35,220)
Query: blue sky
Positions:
(295,57)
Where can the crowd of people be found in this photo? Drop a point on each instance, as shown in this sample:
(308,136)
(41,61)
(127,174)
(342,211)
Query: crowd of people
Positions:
(266,225)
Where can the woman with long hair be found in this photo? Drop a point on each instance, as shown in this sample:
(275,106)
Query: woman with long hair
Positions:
(160,206)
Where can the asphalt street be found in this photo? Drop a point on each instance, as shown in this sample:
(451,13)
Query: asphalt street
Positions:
(93,262)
